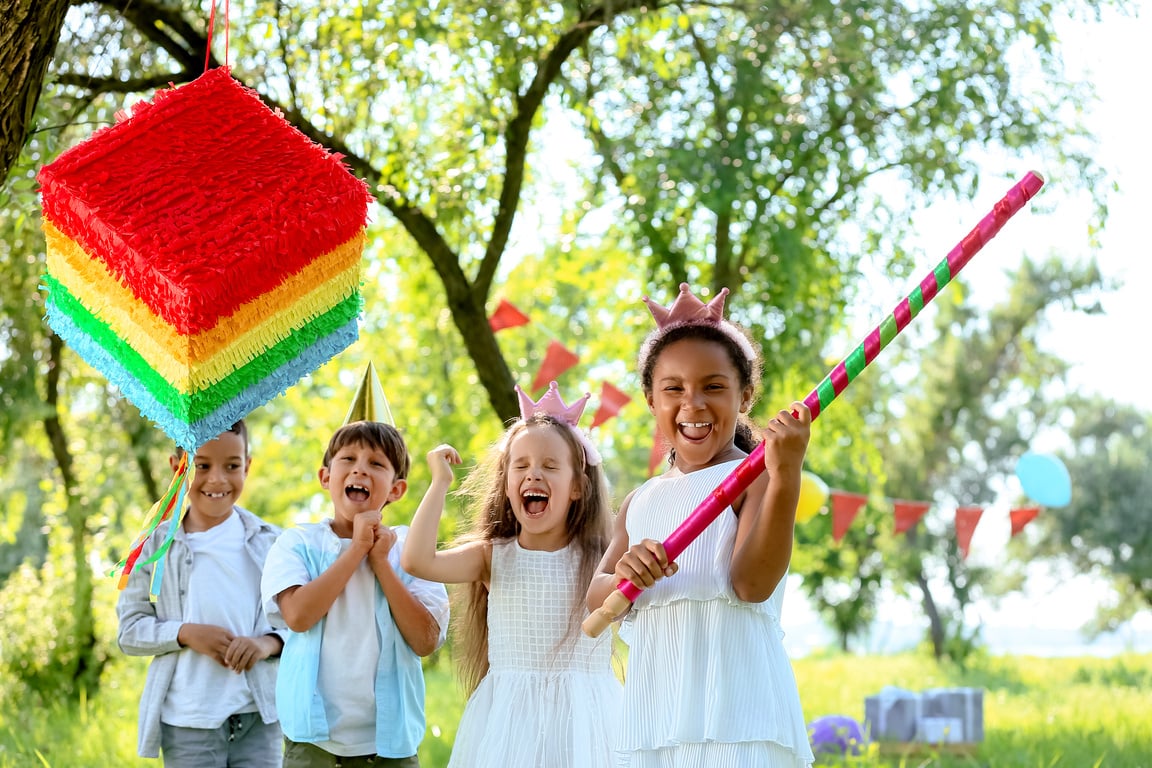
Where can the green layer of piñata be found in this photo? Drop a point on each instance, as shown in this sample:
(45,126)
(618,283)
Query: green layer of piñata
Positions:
(203,402)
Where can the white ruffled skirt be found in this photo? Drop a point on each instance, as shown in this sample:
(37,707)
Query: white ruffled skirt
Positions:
(525,719)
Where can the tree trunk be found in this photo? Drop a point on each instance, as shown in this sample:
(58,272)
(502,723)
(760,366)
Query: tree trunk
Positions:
(87,664)
(935,625)
(29,30)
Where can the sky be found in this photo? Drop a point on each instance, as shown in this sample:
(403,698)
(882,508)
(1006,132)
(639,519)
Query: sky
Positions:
(1106,359)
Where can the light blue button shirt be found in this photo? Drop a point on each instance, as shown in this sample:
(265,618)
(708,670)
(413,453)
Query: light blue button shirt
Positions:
(300,555)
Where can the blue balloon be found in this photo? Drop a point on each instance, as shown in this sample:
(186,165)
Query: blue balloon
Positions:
(1045,479)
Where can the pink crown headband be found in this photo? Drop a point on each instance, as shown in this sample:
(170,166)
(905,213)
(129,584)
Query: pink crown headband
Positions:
(686,310)
(553,405)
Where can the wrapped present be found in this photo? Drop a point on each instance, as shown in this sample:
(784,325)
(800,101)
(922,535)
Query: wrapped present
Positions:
(941,730)
(952,715)
(894,714)
(203,254)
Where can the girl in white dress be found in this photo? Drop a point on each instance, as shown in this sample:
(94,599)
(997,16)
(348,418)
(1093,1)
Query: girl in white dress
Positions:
(708,681)
(543,695)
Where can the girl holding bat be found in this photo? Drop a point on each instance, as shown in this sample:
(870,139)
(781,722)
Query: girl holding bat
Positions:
(708,680)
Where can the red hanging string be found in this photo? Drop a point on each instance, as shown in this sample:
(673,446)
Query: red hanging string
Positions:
(211,25)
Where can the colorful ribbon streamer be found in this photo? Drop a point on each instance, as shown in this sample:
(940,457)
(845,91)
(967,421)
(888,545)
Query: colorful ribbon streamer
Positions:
(833,384)
(165,509)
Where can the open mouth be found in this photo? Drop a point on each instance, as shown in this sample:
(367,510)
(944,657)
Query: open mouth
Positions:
(356,492)
(695,430)
(535,502)
(216,494)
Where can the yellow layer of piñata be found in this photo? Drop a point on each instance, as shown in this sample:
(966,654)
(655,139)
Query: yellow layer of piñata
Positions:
(192,363)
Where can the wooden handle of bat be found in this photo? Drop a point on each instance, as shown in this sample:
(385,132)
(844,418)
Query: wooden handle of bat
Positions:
(598,621)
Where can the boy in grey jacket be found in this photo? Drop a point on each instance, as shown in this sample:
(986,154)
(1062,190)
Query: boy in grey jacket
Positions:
(209,698)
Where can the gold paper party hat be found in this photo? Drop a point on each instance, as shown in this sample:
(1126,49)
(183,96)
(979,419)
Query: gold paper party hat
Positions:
(370,403)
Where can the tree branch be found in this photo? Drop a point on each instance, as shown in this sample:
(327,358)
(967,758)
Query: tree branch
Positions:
(517,133)
(153,19)
(99,85)
(662,245)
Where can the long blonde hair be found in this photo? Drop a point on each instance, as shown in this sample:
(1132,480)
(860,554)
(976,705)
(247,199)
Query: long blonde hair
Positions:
(588,524)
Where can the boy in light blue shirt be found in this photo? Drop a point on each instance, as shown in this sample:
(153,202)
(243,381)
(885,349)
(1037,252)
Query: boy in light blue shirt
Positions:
(351,690)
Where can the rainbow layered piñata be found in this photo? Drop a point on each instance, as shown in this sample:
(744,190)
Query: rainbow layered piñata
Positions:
(203,254)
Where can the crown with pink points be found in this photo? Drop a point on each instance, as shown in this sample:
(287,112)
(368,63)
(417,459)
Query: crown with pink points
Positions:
(553,405)
(687,310)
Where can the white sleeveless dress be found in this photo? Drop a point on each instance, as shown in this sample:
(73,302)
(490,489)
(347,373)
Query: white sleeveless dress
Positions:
(550,698)
(708,682)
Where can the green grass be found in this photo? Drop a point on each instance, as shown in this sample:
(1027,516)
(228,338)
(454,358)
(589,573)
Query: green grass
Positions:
(1038,713)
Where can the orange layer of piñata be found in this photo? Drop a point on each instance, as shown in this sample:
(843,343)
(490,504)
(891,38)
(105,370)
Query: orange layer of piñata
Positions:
(192,363)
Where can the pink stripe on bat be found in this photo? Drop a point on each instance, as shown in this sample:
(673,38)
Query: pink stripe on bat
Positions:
(902,314)
(839,378)
(872,345)
(928,288)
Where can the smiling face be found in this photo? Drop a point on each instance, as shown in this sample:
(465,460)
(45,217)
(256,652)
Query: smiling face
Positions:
(359,478)
(696,398)
(221,466)
(541,485)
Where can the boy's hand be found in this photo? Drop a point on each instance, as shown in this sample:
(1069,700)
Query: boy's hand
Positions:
(385,538)
(644,564)
(440,461)
(207,639)
(364,527)
(244,652)
(786,440)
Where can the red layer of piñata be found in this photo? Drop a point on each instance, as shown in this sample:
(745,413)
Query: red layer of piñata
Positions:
(168,200)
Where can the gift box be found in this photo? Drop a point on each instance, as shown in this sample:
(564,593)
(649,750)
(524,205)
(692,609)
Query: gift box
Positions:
(952,715)
(894,714)
(934,716)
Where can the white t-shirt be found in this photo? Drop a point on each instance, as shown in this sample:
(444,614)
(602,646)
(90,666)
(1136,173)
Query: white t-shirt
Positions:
(224,590)
(349,647)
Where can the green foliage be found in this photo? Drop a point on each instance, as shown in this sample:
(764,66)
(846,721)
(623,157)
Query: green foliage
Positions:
(1057,713)
(843,580)
(741,141)
(41,652)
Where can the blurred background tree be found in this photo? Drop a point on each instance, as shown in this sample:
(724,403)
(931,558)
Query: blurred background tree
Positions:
(1104,531)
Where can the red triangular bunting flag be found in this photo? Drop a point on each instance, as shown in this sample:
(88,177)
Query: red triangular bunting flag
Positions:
(611,401)
(967,519)
(845,507)
(507,316)
(557,359)
(908,513)
(659,451)
(1021,517)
